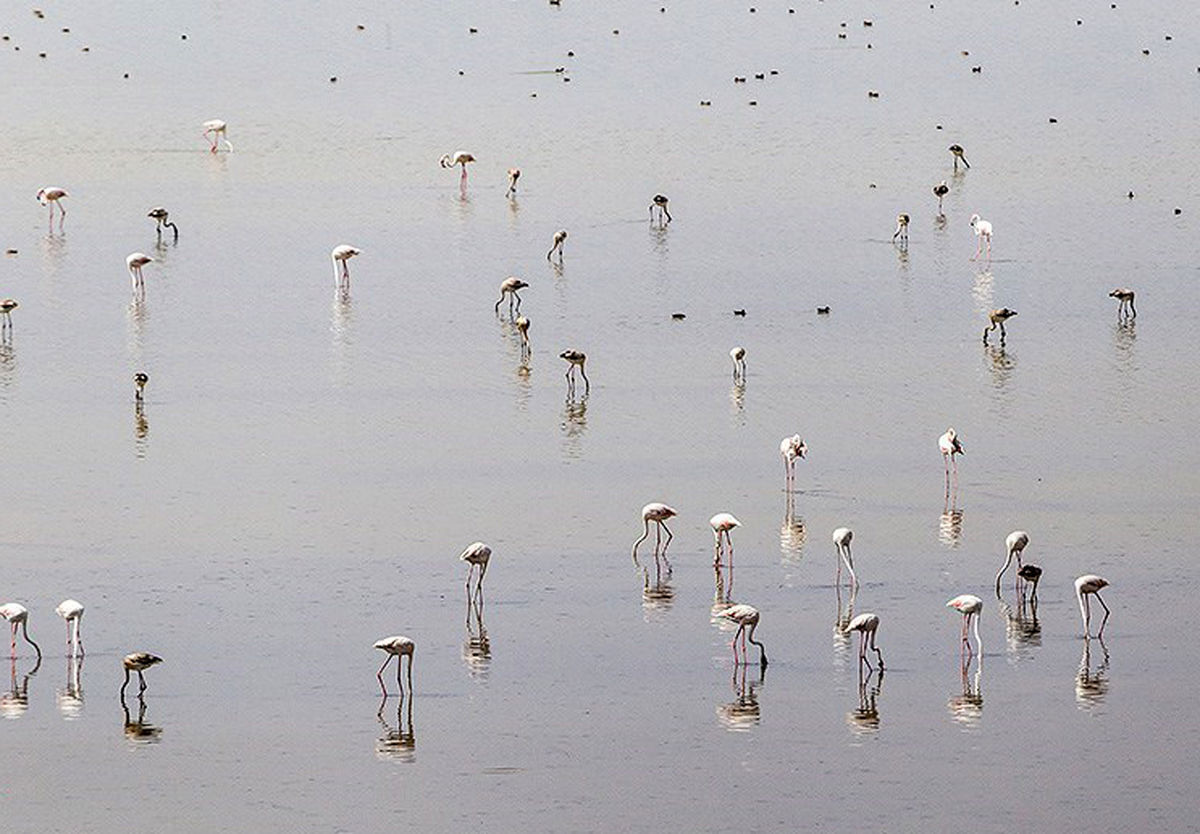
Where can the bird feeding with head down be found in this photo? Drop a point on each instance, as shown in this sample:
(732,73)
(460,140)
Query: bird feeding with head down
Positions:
(341,256)
(511,288)
(398,647)
(842,537)
(747,617)
(460,158)
(138,662)
(1089,585)
(660,202)
(658,513)
(18,616)
(791,448)
(217,128)
(738,355)
(52,196)
(72,613)
(866,625)
(576,359)
(134,264)
(476,555)
(560,238)
(969,606)
(958,152)
(997,318)
(1014,547)
(160,215)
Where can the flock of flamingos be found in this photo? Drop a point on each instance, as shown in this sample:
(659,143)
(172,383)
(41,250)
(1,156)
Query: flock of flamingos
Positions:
(746,617)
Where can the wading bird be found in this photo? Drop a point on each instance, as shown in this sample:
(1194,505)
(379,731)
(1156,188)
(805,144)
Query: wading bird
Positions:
(477,554)
(160,216)
(842,537)
(559,238)
(969,606)
(134,264)
(137,662)
(998,317)
(940,190)
(460,158)
(866,625)
(511,287)
(660,202)
(522,325)
(18,615)
(738,355)
(721,524)
(342,254)
(514,174)
(949,445)
(72,613)
(745,616)
(397,646)
(983,231)
(1085,586)
(1031,574)
(217,128)
(51,196)
(791,448)
(577,359)
(139,384)
(901,232)
(658,513)
(1014,546)
(957,150)
(1126,308)
(6,308)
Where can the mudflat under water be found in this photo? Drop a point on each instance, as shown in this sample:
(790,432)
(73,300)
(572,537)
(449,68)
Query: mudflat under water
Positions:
(306,467)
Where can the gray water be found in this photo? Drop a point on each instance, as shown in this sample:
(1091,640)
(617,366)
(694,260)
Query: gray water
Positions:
(305,468)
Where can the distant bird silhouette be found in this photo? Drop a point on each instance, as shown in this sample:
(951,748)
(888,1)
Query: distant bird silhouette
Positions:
(342,254)
(397,646)
(997,318)
(160,216)
(511,287)
(139,383)
(940,190)
(745,616)
(18,615)
(577,359)
(1125,309)
(983,231)
(901,228)
(217,128)
(660,202)
(957,150)
(6,308)
(738,355)
(137,662)
(514,174)
(1032,574)
(560,237)
(522,325)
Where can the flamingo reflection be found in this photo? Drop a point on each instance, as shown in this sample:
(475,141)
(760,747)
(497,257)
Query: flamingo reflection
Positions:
(15,702)
(865,719)
(659,596)
(723,595)
(477,650)
(1091,685)
(950,527)
(395,743)
(967,708)
(140,731)
(743,712)
(70,697)
(1021,628)
(792,534)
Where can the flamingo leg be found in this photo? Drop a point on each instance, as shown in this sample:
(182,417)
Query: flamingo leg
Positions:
(878,653)
(1100,633)
(410,686)
(124,684)
(378,674)
(642,539)
(141,682)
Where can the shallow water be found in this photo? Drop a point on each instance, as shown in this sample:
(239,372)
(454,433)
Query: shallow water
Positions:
(305,469)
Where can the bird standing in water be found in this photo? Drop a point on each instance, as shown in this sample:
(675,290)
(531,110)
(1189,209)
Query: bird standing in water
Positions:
(134,264)
(660,202)
(969,606)
(577,359)
(217,128)
(51,196)
(998,317)
(791,448)
(842,537)
(957,150)
(342,254)
(738,355)
(866,625)
(137,662)
(1125,309)
(559,238)
(160,216)
(18,615)
(6,308)
(398,646)
(514,174)
(522,325)
(458,158)
(1089,585)
(510,287)
(1014,545)
(901,228)
(72,613)
(983,231)
(658,513)
(940,190)
(721,524)
(950,446)
(745,616)
(476,554)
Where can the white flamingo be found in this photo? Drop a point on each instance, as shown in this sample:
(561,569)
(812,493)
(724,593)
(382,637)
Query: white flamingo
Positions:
(1089,585)
(969,606)
(457,158)
(842,537)
(983,231)
(342,254)
(397,646)
(658,513)
(18,615)
(866,625)
(217,128)
(746,616)
(721,524)
(52,196)
(476,555)
(791,448)
(72,613)
(134,264)
(1014,545)
(738,355)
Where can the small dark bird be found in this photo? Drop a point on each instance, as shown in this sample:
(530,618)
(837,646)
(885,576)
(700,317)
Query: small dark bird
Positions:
(140,380)
(741,312)
(1031,574)
(160,216)
(679,316)
(901,228)
(957,150)
(1126,308)
(940,190)
(822,311)
(660,202)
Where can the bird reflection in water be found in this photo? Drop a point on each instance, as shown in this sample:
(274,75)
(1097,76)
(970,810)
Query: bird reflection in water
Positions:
(574,424)
(15,702)
(139,731)
(791,532)
(984,292)
(1001,364)
(8,364)
(841,623)
(723,594)
(657,596)
(950,527)
(70,697)
(864,720)
(1022,631)
(743,712)
(141,429)
(737,399)
(395,744)
(1091,685)
(477,650)
(341,321)
(967,708)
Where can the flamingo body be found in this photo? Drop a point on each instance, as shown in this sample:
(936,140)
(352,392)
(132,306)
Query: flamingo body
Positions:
(747,617)
(217,128)
(397,646)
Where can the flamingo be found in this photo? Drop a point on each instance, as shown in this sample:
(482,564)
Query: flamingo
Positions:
(1126,308)
(721,524)
(866,625)
(139,382)
(476,554)
(1090,584)
(6,308)
(950,447)
(343,253)
(559,237)
(791,448)
(137,662)
(998,317)
(745,616)
(514,174)
(72,612)
(522,325)
(577,359)
(397,646)
(160,216)
(134,264)
(1032,574)
(957,150)
(217,128)
(658,513)
(51,196)
(511,287)
(901,228)
(738,355)
(660,202)
(458,158)
(940,190)
(1014,545)
(969,606)
(842,537)
(983,231)
(18,615)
